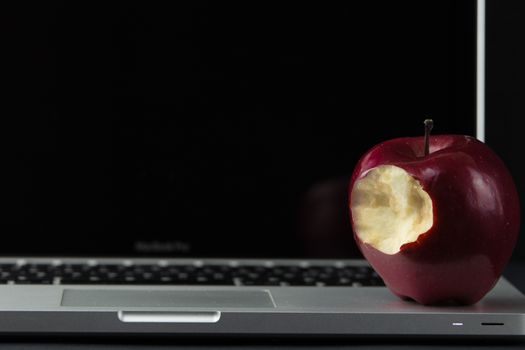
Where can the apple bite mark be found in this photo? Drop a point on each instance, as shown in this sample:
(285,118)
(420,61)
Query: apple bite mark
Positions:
(390,208)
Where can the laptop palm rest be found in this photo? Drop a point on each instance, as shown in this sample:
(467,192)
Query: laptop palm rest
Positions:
(167,298)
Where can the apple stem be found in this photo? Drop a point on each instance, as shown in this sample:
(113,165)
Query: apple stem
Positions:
(429,123)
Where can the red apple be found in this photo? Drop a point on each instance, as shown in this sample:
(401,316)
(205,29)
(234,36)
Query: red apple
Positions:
(438,222)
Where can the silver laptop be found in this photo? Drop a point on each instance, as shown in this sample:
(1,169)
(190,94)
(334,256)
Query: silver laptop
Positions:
(182,170)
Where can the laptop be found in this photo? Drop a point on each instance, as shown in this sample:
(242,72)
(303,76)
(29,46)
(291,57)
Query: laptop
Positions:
(182,169)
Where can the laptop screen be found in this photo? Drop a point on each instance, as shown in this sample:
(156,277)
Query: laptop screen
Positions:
(215,129)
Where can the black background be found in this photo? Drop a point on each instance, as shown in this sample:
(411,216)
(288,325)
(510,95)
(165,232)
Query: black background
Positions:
(104,112)
(506,91)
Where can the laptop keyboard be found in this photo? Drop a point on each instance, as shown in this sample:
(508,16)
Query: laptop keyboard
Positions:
(220,275)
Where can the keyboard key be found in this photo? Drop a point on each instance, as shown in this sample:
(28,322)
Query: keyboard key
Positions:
(247,275)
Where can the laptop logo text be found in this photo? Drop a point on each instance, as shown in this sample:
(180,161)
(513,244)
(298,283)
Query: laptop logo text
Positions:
(162,247)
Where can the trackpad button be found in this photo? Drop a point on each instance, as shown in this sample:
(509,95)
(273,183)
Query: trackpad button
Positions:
(167,298)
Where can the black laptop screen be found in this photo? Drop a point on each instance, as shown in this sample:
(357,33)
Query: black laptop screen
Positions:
(208,128)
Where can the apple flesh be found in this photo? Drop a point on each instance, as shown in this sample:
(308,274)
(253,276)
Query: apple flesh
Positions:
(437,227)
(390,208)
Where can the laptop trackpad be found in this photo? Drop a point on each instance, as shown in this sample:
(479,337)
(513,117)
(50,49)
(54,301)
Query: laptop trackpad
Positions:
(167,298)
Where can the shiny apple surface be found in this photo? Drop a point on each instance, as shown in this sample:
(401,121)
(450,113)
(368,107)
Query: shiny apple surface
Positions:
(475,219)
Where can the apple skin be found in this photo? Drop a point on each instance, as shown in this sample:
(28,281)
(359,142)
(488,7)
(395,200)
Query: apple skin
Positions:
(476,219)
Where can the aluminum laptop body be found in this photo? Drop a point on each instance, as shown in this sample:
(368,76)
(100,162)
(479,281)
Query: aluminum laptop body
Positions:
(195,311)
(223,136)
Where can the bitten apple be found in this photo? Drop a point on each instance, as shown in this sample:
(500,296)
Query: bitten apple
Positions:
(436,216)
